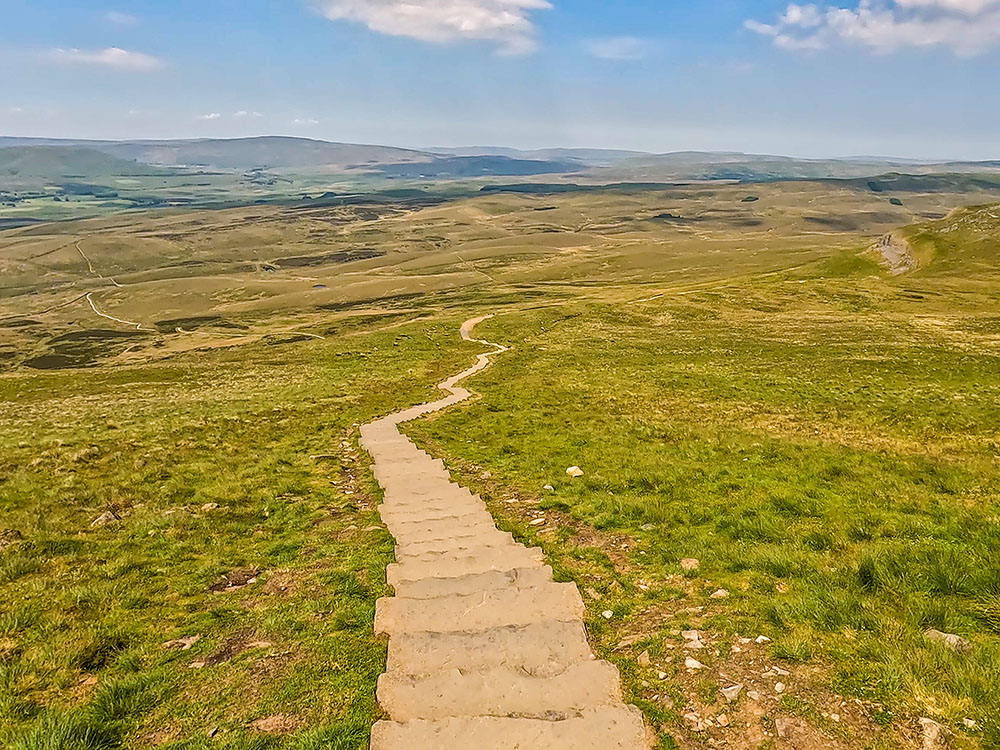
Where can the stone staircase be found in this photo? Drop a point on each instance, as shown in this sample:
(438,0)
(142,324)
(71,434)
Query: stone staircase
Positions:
(486,652)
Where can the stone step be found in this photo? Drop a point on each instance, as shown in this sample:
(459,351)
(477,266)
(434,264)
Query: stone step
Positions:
(443,530)
(500,692)
(439,511)
(480,611)
(431,588)
(604,729)
(542,649)
(455,567)
(458,545)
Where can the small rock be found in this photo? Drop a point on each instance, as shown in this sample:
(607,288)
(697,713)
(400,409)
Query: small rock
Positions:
(104,519)
(182,644)
(575,471)
(538,522)
(607,614)
(647,527)
(753,695)
(213,731)
(694,645)
(643,659)
(549,487)
(593,593)
(783,727)
(210,506)
(732,693)
(720,594)
(198,665)
(689,564)
(835,718)
(950,641)
(691,635)
(934,734)
(779,688)
(970,724)
(693,663)
(723,720)
(661,675)
(695,722)
(486,475)
(762,639)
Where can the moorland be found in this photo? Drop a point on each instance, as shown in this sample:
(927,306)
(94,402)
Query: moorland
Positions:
(190,551)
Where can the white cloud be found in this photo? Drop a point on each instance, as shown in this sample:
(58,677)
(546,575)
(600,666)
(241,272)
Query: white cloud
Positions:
(967,27)
(506,23)
(244,114)
(618,48)
(112,57)
(120,19)
(300,121)
(210,116)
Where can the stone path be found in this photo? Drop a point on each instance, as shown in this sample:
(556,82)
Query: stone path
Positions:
(486,652)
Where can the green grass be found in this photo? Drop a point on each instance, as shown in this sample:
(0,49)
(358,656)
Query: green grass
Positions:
(825,446)
(86,611)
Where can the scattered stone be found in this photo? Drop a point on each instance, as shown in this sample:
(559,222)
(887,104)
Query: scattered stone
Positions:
(200,664)
(762,639)
(950,641)
(593,593)
(783,727)
(549,487)
(720,594)
(487,475)
(753,695)
(209,506)
(689,564)
(695,722)
(723,720)
(934,735)
(538,522)
(608,614)
(182,644)
(835,718)
(104,519)
(970,724)
(779,688)
(661,675)
(732,693)
(644,660)
(693,663)
(691,635)
(647,527)
(575,471)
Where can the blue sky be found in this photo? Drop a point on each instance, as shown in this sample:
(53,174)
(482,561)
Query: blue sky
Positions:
(914,78)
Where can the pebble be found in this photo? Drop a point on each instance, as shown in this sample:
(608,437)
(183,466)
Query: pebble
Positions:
(762,639)
(689,564)
(693,663)
(732,693)
(720,594)
(723,720)
(779,688)
(575,471)
(608,614)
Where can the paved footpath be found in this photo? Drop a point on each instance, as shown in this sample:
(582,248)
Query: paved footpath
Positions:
(486,652)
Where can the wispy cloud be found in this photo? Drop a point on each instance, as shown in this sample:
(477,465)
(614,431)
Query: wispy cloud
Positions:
(112,57)
(304,121)
(967,27)
(619,48)
(244,114)
(120,19)
(506,23)
(210,116)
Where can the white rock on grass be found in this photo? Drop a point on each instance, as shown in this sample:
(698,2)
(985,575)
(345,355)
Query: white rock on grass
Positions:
(732,693)
(720,594)
(575,471)
(950,641)
(762,639)
(693,663)
(104,519)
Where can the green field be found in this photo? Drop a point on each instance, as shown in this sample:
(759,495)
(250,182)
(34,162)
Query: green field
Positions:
(741,382)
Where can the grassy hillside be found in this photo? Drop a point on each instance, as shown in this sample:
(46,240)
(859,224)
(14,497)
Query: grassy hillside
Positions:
(59,163)
(740,382)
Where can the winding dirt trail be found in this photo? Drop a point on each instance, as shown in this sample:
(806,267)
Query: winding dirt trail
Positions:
(486,652)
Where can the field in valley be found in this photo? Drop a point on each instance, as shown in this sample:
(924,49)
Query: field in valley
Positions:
(739,380)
